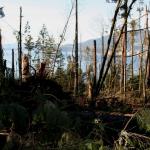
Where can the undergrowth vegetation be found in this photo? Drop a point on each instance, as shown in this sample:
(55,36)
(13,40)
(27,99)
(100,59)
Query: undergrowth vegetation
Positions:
(34,117)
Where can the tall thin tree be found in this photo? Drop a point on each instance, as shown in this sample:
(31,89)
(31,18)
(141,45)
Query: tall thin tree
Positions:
(1,55)
(20,46)
(76,52)
(95,64)
(13,65)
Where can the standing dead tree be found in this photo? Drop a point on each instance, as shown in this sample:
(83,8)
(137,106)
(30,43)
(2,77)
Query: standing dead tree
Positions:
(25,68)
(94,64)
(13,65)
(132,33)
(20,45)
(103,74)
(108,45)
(62,36)
(1,56)
(147,69)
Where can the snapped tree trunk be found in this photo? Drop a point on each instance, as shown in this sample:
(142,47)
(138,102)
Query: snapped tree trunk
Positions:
(101,76)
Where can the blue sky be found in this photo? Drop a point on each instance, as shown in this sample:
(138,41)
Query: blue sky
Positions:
(93,14)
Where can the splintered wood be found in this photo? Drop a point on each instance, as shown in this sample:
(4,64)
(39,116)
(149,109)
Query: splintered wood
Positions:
(25,68)
(42,70)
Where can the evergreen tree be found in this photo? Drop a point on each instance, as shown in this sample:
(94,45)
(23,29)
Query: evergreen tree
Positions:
(60,72)
(46,50)
(70,72)
(42,43)
(88,55)
(29,44)
(59,59)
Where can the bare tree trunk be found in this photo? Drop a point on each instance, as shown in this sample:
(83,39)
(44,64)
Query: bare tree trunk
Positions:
(95,64)
(20,46)
(76,52)
(141,65)
(13,65)
(140,75)
(132,34)
(122,65)
(124,49)
(147,67)
(1,55)
(89,83)
(25,68)
(125,54)
(108,45)
(100,84)
(103,47)
(133,24)
(4,67)
(132,63)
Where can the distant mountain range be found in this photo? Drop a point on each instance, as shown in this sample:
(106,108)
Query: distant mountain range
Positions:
(89,43)
(67,49)
(137,45)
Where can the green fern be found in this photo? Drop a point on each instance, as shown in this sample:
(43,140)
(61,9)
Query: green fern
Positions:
(52,120)
(143,119)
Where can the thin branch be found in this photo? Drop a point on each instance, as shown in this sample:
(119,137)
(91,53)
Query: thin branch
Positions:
(63,35)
